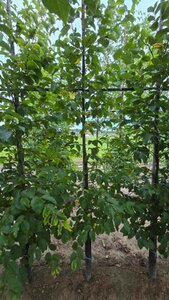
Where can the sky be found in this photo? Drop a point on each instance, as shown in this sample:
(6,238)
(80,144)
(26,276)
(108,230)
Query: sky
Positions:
(144,4)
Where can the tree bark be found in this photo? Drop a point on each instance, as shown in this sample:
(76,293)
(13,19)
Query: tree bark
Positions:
(88,252)
(154,210)
(154,204)
(19,146)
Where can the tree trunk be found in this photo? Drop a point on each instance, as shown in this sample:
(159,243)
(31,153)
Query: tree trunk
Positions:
(88,258)
(154,210)
(19,146)
(88,252)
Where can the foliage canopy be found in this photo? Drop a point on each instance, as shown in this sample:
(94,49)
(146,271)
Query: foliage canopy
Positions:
(54,79)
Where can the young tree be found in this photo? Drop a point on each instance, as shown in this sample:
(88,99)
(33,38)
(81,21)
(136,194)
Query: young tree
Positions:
(37,180)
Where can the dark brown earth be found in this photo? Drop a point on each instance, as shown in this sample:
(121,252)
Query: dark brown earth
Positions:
(119,273)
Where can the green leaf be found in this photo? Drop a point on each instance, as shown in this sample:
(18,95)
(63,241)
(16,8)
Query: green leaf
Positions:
(118,53)
(25,226)
(52,247)
(154,26)
(92,235)
(104,41)
(60,7)
(140,243)
(49,198)
(89,40)
(38,253)
(66,225)
(37,205)
(16,251)
(4,46)
(151,18)
(5,29)
(117,221)
(150,9)
(42,244)
(25,202)
(75,264)
(48,257)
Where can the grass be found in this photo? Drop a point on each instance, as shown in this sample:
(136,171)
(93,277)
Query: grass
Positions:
(91,143)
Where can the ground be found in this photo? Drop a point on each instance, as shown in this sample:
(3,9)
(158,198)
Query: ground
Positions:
(119,273)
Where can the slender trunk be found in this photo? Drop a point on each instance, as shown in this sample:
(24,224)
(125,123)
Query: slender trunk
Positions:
(97,129)
(154,200)
(88,254)
(121,112)
(154,210)
(88,258)
(25,261)
(19,146)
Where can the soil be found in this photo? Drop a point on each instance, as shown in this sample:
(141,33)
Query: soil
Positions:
(119,273)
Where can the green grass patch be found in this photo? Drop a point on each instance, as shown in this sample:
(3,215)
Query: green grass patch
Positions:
(94,146)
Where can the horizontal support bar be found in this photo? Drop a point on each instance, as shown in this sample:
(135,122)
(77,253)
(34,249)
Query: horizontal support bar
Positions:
(87,89)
